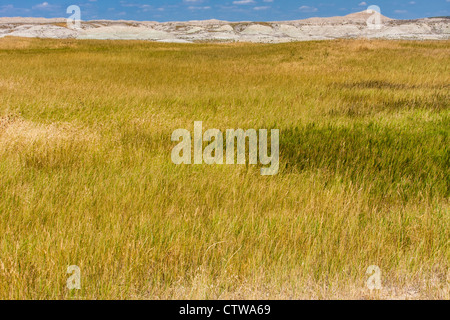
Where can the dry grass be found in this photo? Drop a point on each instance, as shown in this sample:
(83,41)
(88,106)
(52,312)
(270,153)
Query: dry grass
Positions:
(86,177)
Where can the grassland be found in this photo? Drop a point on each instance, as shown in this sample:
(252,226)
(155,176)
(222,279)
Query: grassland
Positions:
(86,177)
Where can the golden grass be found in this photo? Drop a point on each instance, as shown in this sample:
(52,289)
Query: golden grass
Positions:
(86,177)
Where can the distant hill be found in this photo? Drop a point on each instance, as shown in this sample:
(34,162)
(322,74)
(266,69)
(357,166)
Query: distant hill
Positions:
(350,26)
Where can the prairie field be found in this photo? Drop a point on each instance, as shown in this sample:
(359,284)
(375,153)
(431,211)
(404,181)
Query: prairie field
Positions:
(86,176)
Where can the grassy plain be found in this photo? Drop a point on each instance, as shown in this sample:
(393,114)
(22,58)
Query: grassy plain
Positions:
(86,177)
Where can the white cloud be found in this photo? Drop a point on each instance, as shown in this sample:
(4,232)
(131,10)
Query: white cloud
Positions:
(363,4)
(42,5)
(244,2)
(10,9)
(45,6)
(142,7)
(199,8)
(261,8)
(307,9)
(6,8)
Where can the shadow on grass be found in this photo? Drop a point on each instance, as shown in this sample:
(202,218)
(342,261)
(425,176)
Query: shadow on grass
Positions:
(389,162)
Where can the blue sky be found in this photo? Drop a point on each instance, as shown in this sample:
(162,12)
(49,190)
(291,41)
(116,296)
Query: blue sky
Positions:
(232,10)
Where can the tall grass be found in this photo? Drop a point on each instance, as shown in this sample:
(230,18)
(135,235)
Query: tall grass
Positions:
(86,177)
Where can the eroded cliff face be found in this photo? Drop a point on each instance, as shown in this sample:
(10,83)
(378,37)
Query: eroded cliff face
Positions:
(350,26)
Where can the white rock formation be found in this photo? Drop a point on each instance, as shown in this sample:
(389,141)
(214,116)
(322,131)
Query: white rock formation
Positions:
(350,26)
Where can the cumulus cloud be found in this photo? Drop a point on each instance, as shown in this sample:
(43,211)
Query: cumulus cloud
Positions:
(43,5)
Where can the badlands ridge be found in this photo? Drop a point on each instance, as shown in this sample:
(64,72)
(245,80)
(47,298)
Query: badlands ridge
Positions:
(350,26)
